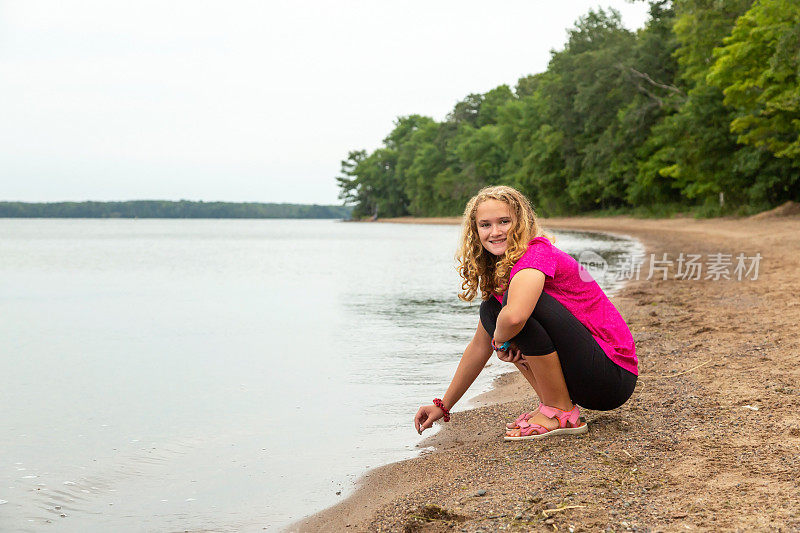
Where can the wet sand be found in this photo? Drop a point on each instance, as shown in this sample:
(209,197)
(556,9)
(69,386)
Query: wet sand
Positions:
(710,439)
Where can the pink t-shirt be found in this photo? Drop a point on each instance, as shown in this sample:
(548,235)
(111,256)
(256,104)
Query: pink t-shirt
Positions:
(564,281)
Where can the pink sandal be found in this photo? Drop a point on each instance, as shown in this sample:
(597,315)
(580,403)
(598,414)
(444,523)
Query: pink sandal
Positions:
(569,423)
(521,418)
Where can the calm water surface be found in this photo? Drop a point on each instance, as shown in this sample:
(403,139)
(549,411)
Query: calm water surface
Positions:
(225,375)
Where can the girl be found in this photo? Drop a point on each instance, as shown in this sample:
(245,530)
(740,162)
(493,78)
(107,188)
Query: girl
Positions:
(541,311)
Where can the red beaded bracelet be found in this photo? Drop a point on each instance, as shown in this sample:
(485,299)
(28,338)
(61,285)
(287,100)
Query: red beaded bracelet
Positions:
(440,404)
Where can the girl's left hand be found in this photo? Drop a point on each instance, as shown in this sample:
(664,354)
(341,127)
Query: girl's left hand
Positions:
(512,355)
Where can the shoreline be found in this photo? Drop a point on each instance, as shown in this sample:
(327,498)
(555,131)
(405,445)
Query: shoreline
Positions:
(709,439)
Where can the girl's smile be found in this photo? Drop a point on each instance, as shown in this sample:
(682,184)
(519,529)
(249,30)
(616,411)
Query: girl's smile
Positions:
(494,221)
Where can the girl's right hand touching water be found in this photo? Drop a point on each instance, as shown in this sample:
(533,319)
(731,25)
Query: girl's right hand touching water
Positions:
(426,416)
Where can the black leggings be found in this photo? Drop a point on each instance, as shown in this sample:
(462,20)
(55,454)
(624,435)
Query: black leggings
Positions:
(593,380)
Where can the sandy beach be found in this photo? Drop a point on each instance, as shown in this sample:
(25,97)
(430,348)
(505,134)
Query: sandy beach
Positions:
(710,439)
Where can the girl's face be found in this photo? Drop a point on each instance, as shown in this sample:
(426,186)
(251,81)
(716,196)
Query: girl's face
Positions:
(494,221)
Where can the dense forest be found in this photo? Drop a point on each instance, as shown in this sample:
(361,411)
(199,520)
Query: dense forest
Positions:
(166,209)
(697,111)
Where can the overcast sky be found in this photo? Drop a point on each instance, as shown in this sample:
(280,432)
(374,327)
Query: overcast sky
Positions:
(242,100)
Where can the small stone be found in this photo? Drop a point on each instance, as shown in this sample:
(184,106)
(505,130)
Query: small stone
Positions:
(550,521)
(338,492)
(481,493)
(517,516)
(63,515)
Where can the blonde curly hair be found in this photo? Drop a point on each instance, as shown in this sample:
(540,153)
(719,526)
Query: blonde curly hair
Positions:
(478,267)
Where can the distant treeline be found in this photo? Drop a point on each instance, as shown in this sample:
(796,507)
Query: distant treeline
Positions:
(703,100)
(166,209)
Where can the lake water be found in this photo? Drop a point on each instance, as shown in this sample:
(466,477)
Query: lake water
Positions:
(225,375)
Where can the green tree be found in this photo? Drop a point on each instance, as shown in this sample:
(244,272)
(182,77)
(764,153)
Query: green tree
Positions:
(351,189)
(584,89)
(692,148)
(757,70)
(422,158)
